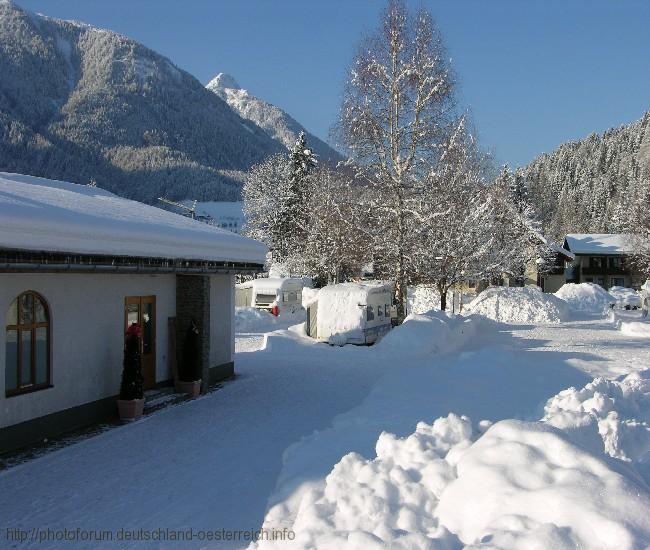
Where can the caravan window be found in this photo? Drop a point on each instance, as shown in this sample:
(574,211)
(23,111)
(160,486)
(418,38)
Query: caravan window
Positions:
(370,314)
(265,299)
(289,296)
(387,309)
(380,311)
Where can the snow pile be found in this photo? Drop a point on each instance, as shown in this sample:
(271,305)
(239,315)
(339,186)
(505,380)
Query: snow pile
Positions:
(586,297)
(519,305)
(522,484)
(617,411)
(433,333)
(388,501)
(250,319)
(527,485)
(625,296)
(309,295)
(636,329)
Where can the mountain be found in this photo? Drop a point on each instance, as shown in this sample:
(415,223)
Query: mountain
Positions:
(273,120)
(595,185)
(80,103)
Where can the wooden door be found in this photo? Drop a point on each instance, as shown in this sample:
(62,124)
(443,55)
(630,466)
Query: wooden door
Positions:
(142,310)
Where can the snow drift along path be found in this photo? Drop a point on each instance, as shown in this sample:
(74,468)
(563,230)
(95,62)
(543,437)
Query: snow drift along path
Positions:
(525,305)
(293,411)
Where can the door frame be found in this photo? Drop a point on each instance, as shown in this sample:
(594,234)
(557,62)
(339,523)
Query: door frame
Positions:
(141,300)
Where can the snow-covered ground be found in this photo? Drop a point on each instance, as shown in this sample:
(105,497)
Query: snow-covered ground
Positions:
(443,416)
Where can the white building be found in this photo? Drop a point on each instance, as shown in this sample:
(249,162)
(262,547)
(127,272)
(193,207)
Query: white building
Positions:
(77,266)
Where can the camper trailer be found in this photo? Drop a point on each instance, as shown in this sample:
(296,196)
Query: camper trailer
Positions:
(276,295)
(350,313)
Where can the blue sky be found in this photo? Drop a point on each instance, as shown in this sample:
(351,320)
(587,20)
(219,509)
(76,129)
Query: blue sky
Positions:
(533,73)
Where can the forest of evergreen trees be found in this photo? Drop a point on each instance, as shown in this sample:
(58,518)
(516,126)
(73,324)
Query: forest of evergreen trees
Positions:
(600,184)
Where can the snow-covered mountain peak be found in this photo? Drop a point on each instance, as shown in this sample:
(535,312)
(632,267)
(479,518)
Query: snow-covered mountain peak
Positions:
(279,125)
(223,81)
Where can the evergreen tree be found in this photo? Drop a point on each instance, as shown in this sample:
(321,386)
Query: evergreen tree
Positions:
(191,368)
(132,380)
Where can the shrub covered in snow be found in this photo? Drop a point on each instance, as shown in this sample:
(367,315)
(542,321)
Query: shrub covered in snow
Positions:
(586,297)
(423,298)
(519,305)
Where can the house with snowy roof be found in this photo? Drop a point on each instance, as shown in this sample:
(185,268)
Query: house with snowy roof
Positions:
(78,265)
(601,258)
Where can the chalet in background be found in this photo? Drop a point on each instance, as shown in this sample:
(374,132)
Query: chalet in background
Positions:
(601,258)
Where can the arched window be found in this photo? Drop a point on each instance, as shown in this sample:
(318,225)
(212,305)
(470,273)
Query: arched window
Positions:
(27,348)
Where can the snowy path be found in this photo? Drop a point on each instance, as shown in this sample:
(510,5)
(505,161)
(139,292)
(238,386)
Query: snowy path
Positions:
(594,346)
(214,463)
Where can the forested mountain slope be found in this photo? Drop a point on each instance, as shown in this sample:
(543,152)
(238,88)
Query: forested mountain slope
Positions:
(79,103)
(598,184)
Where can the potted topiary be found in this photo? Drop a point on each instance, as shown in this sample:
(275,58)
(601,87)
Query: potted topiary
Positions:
(131,401)
(189,372)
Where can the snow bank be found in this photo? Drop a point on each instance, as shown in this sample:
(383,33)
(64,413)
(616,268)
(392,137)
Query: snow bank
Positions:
(637,329)
(527,485)
(613,416)
(309,295)
(625,296)
(522,484)
(432,333)
(586,297)
(519,305)
(250,319)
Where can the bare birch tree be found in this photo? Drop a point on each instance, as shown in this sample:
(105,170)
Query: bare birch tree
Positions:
(398,111)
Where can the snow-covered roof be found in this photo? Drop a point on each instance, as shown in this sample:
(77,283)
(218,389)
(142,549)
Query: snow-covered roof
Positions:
(554,247)
(271,283)
(355,290)
(599,243)
(38,214)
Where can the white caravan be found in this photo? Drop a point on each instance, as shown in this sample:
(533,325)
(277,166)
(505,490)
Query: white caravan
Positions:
(350,313)
(277,295)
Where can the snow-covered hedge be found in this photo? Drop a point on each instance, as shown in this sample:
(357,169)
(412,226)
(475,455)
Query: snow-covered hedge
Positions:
(519,305)
(586,297)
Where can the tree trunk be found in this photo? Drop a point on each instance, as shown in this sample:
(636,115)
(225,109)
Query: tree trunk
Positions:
(442,289)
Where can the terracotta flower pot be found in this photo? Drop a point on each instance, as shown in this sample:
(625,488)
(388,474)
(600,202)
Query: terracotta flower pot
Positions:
(193,389)
(131,409)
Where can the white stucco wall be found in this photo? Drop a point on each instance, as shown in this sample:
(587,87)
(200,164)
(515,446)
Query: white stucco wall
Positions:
(222,319)
(87,323)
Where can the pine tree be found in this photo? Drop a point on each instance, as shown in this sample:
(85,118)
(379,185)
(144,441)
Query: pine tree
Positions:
(190,367)
(291,228)
(132,380)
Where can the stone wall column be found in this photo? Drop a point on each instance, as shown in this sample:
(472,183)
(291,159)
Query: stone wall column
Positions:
(193,302)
